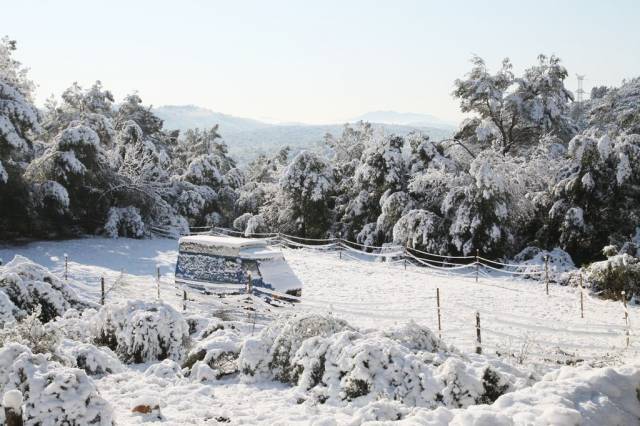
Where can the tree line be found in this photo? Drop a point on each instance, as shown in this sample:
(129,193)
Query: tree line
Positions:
(531,167)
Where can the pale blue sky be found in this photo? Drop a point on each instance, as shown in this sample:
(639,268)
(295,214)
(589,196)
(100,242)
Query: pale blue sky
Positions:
(315,62)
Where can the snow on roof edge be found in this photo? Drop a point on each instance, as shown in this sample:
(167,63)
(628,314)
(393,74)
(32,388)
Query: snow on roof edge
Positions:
(224,241)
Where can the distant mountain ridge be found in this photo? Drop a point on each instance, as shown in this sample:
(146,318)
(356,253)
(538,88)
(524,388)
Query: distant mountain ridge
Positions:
(404,119)
(247,138)
(183,117)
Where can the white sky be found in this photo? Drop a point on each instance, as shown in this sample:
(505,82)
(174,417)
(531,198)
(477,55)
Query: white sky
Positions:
(315,62)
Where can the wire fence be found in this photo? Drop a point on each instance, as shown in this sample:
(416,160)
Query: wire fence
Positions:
(392,253)
(510,334)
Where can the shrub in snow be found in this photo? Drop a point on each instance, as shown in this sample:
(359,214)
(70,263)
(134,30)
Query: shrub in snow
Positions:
(53,395)
(270,354)
(167,369)
(532,260)
(255,224)
(8,311)
(76,325)
(30,332)
(124,221)
(421,229)
(216,356)
(331,361)
(568,396)
(93,360)
(29,285)
(143,331)
(350,365)
(617,273)
(240,223)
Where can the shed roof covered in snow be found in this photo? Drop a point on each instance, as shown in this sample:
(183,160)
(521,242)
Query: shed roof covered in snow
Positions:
(226,246)
(217,240)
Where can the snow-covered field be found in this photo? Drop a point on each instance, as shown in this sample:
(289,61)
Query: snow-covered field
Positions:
(533,332)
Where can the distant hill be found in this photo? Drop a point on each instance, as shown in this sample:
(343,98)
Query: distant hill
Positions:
(185,117)
(247,138)
(405,119)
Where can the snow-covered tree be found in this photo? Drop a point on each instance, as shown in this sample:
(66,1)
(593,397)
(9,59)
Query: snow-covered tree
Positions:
(302,201)
(19,121)
(616,109)
(595,202)
(514,112)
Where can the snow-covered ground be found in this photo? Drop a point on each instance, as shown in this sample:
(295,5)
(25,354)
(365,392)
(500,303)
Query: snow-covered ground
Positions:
(518,320)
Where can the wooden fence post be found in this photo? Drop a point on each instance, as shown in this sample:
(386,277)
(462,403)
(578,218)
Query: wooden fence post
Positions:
(340,244)
(12,403)
(102,291)
(404,257)
(581,298)
(66,266)
(249,283)
(546,273)
(438,304)
(158,280)
(478,335)
(477,263)
(626,317)
(184,299)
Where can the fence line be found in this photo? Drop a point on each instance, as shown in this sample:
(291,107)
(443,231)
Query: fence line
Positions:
(405,253)
(483,266)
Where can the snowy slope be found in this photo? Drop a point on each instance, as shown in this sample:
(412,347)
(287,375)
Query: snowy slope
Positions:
(370,295)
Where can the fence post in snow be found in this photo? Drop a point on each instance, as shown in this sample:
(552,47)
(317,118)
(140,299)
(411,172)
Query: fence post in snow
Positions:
(184,299)
(438,304)
(404,257)
(158,280)
(102,291)
(12,403)
(478,335)
(66,266)
(340,244)
(626,317)
(249,283)
(477,263)
(546,273)
(581,298)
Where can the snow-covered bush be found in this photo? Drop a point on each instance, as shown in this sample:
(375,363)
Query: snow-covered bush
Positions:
(350,365)
(532,259)
(270,354)
(142,331)
(329,360)
(9,312)
(90,358)
(167,370)
(53,395)
(75,325)
(30,332)
(421,229)
(124,221)
(568,396)
(215,356)
(29,285)
(618,273)
(240,223)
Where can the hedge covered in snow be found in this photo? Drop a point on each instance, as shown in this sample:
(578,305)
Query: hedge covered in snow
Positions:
(329,360)
(25,285)
(53,394)
(142,331)
(620,272)
(569,396)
